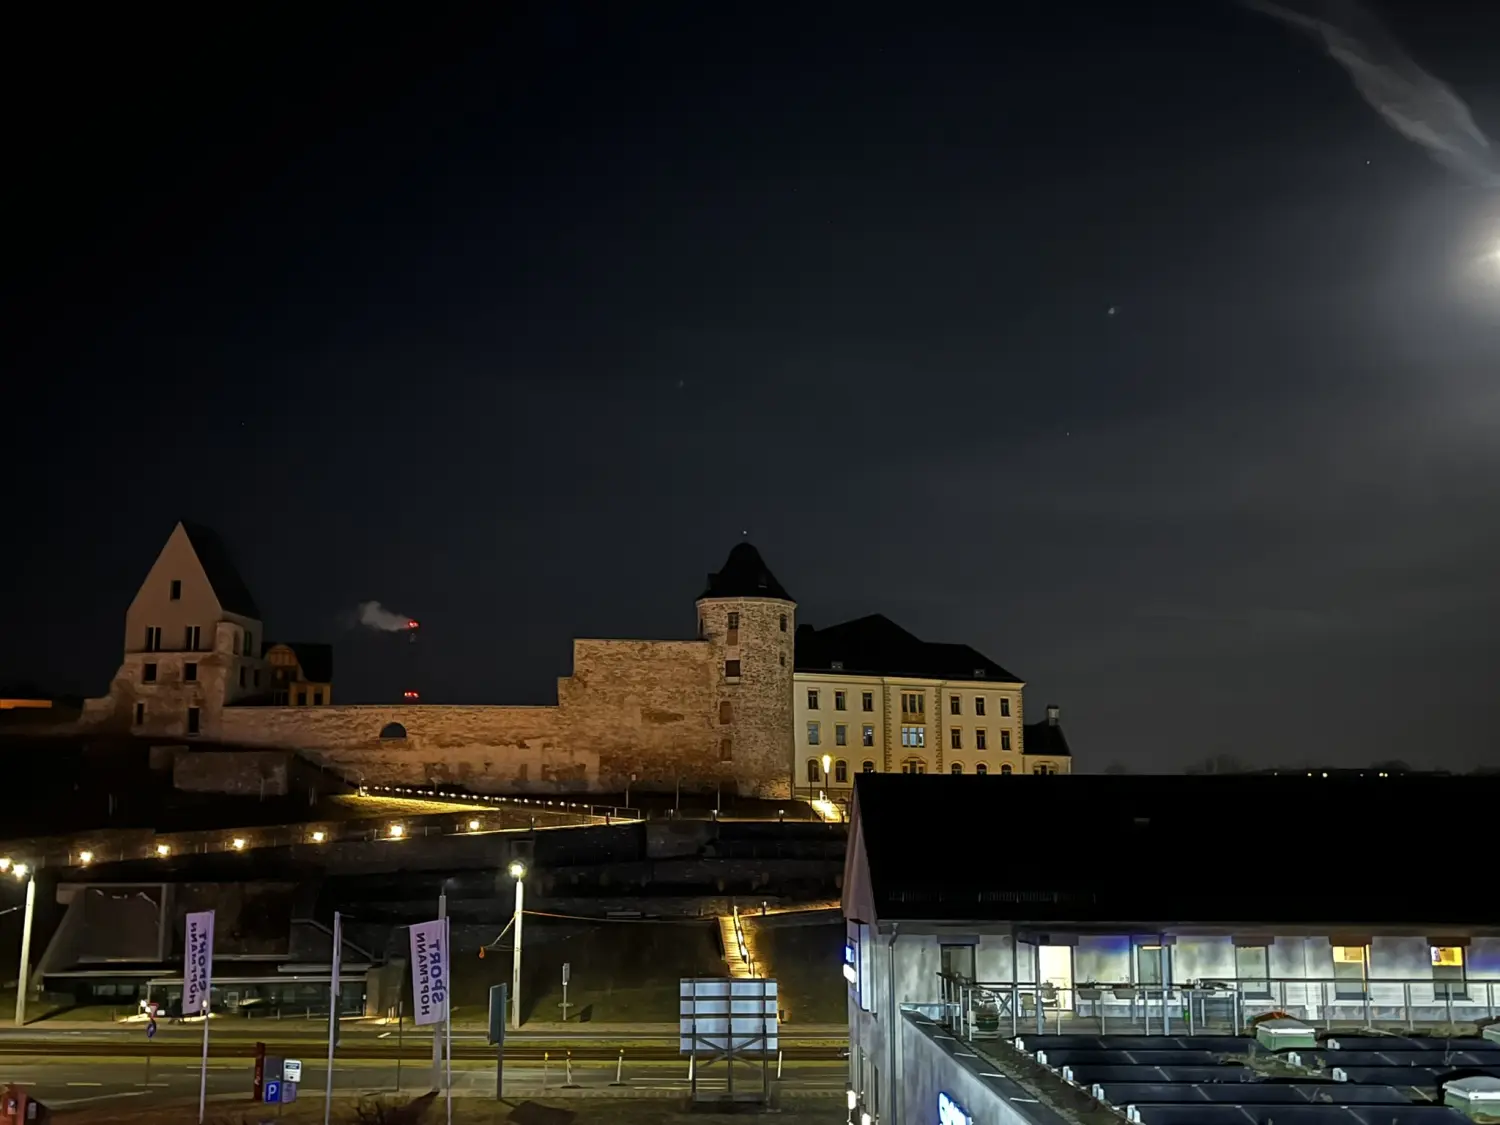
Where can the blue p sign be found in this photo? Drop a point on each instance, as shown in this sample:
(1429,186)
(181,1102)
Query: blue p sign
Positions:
(273,1090)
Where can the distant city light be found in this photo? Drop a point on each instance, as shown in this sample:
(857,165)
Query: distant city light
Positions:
(411,625)
(319,836)
(163,849)
(517,869)
(4,863)
(85,858)
(21,869)
(239,843)
(473,826)
(397,831)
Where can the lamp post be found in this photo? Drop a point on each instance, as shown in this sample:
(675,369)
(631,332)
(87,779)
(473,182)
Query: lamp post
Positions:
(21,871)
(827,765)
(517,871)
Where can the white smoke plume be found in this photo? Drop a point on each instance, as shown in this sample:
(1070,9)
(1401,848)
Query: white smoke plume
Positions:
(373,615)
(1420,107)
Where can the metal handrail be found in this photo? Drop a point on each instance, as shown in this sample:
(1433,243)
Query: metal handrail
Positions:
(982,1008)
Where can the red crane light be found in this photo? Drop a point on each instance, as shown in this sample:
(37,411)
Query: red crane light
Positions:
(411,625)
(409,695)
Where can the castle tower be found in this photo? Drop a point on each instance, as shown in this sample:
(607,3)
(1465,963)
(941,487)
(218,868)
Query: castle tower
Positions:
(749,621)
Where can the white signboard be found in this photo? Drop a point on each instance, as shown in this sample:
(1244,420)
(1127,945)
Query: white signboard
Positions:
(291,1070)
(719,1014)
(429,971)
(197,963)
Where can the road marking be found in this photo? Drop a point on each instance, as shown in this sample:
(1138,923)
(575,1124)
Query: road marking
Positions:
(85,1083)
(99,1098)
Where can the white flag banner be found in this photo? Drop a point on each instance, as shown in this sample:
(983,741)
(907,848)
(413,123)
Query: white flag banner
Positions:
(429,971)
(197,963)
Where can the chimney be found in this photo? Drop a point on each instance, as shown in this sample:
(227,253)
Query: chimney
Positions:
(1052,714)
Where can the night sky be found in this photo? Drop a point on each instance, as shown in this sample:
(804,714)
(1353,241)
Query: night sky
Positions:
(517,317)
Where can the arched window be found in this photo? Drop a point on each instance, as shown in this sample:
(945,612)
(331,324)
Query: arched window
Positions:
(868,767)
(814,771)
(1005,769)
(393,730)
(913,765)
(1038,769)
(726,713)
(981,769)
(841,772)
(956,767)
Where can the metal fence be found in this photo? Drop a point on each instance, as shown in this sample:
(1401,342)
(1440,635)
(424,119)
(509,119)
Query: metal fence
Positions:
(979,1010)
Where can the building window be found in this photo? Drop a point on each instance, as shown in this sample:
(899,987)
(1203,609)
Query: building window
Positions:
(1005,708)
(190,672)
(840,735)
(979,705)
(913,765)
(814,771)
(956,767)
(981,740)
(318,698)
(955,739)
(702,627)
(841,772)
(153,638)
(914,703)
(1448,972)
(814,734)
(1038,769)
(867,701)
(148,673)
(867,736)
(726,713)
(140,713)
(392,730)
(734,629)
(1005,740)
(731,669)
(1005,769)
(176,594)
(914,736)
(782,657)
(249,643)
(981,768)
(726,750)
(868,766)
(840,701)
(955,705)
(255,679)
(812,699)
(191,636)
(1349,972)
(242,675)
(1148,965)
(192,720)
(302,698)
(1252,967)
(783,623)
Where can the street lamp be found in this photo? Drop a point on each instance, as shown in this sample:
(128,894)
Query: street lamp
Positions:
(20,870)
(827,765)
(517,871)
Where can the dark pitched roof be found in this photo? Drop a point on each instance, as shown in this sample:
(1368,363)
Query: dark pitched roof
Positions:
(878,646)
(1151,850)
(223,576)
(1046,738)
(745,575)
(316,660)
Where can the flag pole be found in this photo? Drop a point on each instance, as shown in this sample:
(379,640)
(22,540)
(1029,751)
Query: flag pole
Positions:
(203,1067)
(448,1012)
(333,1009)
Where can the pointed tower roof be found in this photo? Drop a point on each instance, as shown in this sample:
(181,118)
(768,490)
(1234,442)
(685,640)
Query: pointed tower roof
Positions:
(745,575)
(234,596)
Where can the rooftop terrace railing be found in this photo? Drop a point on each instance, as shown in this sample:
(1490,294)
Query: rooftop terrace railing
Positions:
(979,1010)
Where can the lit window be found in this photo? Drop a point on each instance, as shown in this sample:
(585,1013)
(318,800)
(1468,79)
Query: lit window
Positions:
(839,699)
(814,734)
(956,739)
(956,767)
(812,699)
(840,735)
(955,705)
(979,705)
(867,736)
(981,768)
(1148,965)
(1349,972)
(914,736)
(841,772)
(981,742)
(1448,972)
(867,701)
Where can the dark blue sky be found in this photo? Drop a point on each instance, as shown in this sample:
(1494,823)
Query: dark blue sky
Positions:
(516,322)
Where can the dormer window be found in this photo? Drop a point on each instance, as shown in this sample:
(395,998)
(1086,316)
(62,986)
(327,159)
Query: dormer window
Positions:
(176,594)
(979,673)
(836,665)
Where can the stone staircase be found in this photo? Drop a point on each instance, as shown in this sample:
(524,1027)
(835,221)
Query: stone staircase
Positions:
(736,954)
